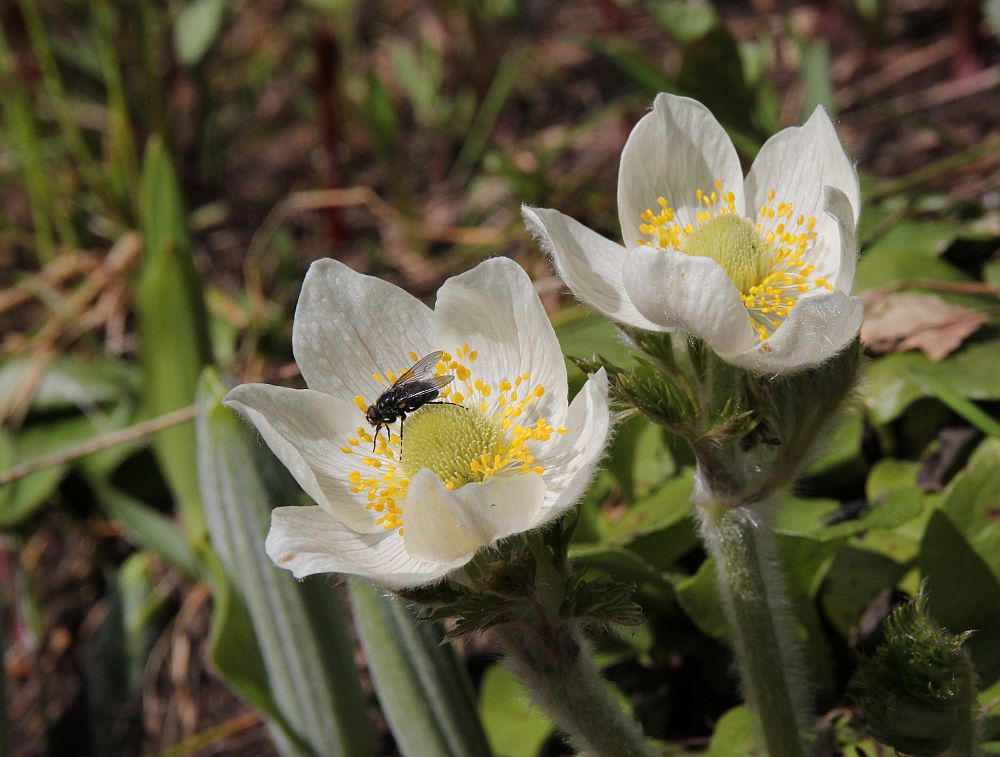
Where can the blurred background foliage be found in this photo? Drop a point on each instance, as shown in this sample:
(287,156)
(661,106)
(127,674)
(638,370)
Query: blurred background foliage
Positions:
(169,170)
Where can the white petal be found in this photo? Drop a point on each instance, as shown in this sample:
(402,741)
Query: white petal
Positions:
(348,325)
(694,293)
(305,429)
(589,264)
(838,206)
(671,152)
(797,163)
(307,540)
(569,463)
(449,525)
(495,310)
(818,327)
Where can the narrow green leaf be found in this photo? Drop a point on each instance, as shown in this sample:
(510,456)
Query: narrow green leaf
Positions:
(149,528)
(120,145)
(69,383)
(305,645)
(173,327)
(237,655)
(968,410)
(503,83)
(196,28)
(19,121)
(816,78)
(19,499)
(424,692)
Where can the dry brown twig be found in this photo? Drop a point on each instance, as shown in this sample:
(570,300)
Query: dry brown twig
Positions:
(43,344)
(130,434)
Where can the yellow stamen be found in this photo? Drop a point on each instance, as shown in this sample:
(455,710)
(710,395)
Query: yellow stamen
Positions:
(768,264)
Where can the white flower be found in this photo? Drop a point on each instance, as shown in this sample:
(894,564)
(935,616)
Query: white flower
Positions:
(511,458)
(761,268)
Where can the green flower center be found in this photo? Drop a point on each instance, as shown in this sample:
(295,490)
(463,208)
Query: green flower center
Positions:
(732,242)
(449,441)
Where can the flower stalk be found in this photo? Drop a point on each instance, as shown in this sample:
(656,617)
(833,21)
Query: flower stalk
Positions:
(551,658)
(762,632)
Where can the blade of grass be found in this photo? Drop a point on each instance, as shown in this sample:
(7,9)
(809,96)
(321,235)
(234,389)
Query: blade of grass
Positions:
(121,148)
(68,124)
(173,328)
(478,137)
(18,113)
(424,692)
(306,648)
(149,528)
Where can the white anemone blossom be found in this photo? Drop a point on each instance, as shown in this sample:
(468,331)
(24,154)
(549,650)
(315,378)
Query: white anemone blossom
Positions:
(507,456)
(759,267)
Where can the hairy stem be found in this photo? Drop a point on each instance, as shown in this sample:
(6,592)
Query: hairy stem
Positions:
(762,633)
(549,655)
(552,661)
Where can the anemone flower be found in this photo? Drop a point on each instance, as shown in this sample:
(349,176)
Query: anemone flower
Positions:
(759,267)
(498,451)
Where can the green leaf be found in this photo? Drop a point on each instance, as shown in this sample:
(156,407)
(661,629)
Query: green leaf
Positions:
(972,501)
(237,656)
(173,327)
(891,385)
(686,21)
(632,63)
(712,72)
(853,581)
(303,640)
(71,383)
(670,505)
(19,499)
(513,725)
(639,457)
(909,250)
(816,78)
(585,334)
(968,410)
(816,517)
(700,598)
(735,734)
(148,528)
(963,591)
(424,692)
(841,458)
(196,28)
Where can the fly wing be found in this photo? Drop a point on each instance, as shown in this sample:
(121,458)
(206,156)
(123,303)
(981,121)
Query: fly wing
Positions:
(422,370)
(440,382)
(415,393)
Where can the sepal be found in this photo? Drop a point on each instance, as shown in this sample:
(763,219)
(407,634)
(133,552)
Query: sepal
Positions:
(521,579)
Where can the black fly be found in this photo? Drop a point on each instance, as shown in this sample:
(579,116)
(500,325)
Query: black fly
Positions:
(415,388)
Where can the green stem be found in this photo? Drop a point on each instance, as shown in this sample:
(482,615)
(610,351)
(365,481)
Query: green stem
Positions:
(740,541)
(552,661)
(551,658)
